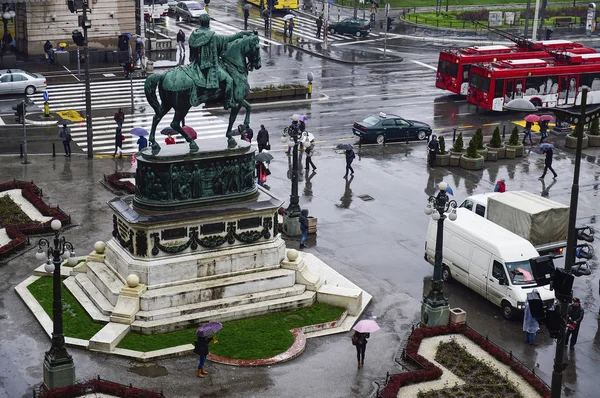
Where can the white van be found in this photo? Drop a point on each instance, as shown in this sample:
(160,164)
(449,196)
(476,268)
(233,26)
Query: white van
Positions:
(488,259)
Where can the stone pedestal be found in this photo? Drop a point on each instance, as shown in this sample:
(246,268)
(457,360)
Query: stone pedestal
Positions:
(291,226)
(434,315)
(128,304)
(58,376)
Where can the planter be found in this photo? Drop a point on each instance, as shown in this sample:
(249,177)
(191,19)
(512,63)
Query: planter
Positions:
(254,95)
(301,91)
(500,152)
(593,140)
(492,155)
(457,315)
(442,159)
(511,152)
(471,163)
(483,152)
(571,142)
(287,92)
(455,158)
(517,148)
(312,225)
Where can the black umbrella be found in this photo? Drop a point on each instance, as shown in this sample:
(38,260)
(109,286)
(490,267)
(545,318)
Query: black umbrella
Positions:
(247,6)
(168,130)
(263,157)
(345,147)
(64,121)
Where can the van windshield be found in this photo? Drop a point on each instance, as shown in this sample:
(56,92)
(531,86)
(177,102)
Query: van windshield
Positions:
(520,272)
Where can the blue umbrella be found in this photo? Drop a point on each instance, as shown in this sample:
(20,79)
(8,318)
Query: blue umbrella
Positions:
(449,190)
(546,145)
(140,132)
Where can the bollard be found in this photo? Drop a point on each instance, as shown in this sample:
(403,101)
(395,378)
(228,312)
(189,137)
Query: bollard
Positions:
(21,145)
(360,142)
(46,109)
(309,89)
(53,150)
(454,135)
(503,131)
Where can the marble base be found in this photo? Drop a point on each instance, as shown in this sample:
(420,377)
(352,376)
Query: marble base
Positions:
(58,376)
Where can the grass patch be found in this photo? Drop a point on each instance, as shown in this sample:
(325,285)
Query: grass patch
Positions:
(76,322)
(428,3)
(11,213)
(250,338)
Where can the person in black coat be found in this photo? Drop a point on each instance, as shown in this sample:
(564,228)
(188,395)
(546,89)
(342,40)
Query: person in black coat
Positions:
(360,341)
(574,317)
(319,26)
(434,147)
(246,15)
(201,348)
(303,219)
(349,158)
(262,139)
(548,163)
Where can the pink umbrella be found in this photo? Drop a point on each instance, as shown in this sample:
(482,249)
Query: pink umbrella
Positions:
(366,326)
(532,118)
(547,117)
(191,132)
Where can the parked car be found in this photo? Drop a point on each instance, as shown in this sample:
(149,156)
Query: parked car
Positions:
(385,127)
(352,26)
(20,81)
(189,10)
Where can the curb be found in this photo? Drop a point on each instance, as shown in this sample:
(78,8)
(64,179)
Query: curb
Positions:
(341,61)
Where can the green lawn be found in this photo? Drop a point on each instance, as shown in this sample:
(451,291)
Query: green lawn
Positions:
(432,3)
(250,338)
(76,322)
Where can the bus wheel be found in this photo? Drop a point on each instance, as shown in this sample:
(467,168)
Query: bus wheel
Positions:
(446,274)
(507,310)
(536,102)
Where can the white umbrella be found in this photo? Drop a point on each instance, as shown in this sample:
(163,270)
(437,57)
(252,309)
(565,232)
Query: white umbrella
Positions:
(288,17)
(307,137)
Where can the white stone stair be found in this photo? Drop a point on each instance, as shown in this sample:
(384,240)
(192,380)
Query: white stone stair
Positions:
(94,294)
(228,302)
(214,289)
(305,299)
(105,280)
(83,297)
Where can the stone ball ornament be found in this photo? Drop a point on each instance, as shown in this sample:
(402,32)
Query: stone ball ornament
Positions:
(132,280)
(292,255)
(99,247)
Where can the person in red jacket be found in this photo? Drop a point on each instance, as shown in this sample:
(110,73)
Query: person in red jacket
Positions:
(169,140)
(500,186)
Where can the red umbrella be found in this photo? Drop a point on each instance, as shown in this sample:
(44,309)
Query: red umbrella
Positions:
(547,117)
(532,118)
(190,131)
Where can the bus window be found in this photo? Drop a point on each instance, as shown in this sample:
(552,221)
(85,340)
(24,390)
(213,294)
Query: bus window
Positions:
(448,68)
(480,82)
(510,88)
(499,88)
(466,70)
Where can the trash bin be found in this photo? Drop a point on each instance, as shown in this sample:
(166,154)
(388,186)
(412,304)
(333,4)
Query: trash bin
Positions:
(61,57)
(149,66)
(9,61)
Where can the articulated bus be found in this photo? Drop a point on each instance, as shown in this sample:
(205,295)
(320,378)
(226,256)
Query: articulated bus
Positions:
(454,64)
(281,4)
(544,83)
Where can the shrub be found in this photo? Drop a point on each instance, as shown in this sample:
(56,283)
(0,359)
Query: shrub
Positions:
(472,149)
(496,141)
(514,137)
(594,127)
(459,146)
(442,145)
(478,138)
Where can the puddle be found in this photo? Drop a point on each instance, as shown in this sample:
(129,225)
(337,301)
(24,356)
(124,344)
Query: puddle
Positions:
(148,370)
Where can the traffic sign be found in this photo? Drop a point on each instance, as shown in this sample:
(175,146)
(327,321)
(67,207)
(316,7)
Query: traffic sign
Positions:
(45,95)
(387,8)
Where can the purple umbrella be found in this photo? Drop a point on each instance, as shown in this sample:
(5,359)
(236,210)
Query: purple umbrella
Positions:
(366,326)
(140,132)
(208,328)
(168,130)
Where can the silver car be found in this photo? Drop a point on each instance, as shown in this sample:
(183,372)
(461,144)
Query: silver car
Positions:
(189,10)
(20,81)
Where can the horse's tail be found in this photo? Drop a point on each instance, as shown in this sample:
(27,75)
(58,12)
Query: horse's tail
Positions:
(150,89)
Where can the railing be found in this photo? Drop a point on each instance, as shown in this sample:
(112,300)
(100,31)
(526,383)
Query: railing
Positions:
(447,21)
(96,386)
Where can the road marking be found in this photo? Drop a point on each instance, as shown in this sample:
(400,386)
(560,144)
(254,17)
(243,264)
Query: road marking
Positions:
(354,42)
(490,124)
(465,127)
(71,73)
(424,64)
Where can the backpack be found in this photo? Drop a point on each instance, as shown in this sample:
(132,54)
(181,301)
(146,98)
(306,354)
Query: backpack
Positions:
(354,339)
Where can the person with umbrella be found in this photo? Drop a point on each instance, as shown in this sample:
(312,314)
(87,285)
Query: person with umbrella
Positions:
(291,28)
(547,149)
(349,152)
(543,129)
(529,120)
(65,136)
(201,345)
(142,141)
(309,153)
(362,331)
(246,15)
(266,14)
(169,140)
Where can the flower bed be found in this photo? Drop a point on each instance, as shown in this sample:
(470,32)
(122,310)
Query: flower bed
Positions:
(102,387)
(115,180)
(432,372)
(17,233)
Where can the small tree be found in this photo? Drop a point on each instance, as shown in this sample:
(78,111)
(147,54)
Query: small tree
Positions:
(595,127)
(472,149)
(514,137)
(478,137)
(459,146)
(442,143)
(496,141)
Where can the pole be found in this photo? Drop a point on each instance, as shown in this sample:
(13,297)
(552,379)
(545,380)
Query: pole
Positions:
(355,9)
(556,385)
(326,26)
(387,10)
(88,93)
(131,87)
(24,134)
(142,22)
(535,21)
(78,63)
(527,11)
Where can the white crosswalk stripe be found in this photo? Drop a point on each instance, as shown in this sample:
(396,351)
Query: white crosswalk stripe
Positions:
(114,94)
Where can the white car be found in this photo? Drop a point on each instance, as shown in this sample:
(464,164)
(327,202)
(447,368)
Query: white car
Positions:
(189,11)
(20,81)
(172,4)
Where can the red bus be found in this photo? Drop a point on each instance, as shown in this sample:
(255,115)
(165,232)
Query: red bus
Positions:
(546,83)
(454,64)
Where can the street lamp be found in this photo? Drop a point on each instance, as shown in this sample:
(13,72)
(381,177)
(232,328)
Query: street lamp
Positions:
(291,224)
(434,309)
(580,119)
(59,369)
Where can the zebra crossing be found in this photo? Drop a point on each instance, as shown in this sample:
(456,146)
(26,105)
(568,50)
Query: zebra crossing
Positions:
(114,94)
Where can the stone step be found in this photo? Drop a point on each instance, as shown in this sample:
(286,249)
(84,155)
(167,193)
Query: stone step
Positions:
(108,337)
(305,299)
(190,293)
(105,280)
(85,300)
(94,294)
(210,305)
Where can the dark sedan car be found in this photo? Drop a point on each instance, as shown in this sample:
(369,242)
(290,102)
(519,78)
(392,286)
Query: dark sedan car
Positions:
(381,128)
(352,26)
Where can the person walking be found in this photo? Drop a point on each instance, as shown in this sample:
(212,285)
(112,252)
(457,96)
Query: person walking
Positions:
(548,163)
(574,318)
(291,29)
(261,173)
(249,133)
(48,51)
(266,14)
(530,325)
(319,26)
(118,143)
(303,219)
(65,136)
(181,42)
(349,159)
(527,133)
(262,139)
(120,118)
(543,129)
(360,341)
(142,143)
(500,186)
(434,147)
(246,16)
(201,348)
(309,151)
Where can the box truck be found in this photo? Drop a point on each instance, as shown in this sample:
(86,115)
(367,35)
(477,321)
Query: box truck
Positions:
(488,259)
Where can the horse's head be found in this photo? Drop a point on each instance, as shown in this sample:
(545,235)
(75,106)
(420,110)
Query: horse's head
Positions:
(251,50)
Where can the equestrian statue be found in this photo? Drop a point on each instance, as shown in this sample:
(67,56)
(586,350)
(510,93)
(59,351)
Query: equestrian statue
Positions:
(218,71)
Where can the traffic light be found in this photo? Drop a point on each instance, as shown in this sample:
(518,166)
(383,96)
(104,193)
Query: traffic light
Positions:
(542,268)
(20,112)
(585,233)
(78,38)
(207,2)
(76,5)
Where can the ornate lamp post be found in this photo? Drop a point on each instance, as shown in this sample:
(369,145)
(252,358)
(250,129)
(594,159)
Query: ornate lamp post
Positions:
(434,308)
(59,369)
(291,225)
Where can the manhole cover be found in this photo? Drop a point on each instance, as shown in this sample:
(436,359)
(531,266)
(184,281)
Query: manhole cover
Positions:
(366,198)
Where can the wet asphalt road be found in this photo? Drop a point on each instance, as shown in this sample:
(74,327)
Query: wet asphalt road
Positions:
(378,244)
